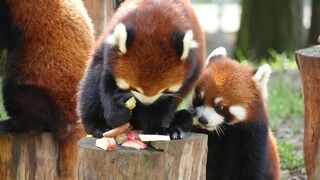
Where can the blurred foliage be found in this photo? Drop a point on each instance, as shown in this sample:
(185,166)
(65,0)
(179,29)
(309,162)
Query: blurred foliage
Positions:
(269,24)
(285,60)
(3,113)
(290,158)
(315,22)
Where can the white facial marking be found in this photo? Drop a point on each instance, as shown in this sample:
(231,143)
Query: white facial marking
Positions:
(211,115)
(202,94)
(217,100)
(175,88)
(188,43)
(140,90)
(261,78)
(122,84)
(118,37)
(239,112)
(146,99)
(220,51)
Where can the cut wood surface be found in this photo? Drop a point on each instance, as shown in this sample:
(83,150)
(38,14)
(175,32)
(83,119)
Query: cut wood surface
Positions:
(177,159)
(28,156)
(308,61)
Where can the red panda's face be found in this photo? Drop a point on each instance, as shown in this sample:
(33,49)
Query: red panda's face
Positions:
(150,67)
(227,93)
(149,83)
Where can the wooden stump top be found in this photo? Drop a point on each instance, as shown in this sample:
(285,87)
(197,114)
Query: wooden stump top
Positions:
(313,51)
(175,159)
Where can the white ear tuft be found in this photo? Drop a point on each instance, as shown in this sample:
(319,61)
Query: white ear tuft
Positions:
(219,51)
(261,78)
(188,43)
(118,38)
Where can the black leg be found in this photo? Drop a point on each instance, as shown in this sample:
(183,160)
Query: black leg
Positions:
(29,108)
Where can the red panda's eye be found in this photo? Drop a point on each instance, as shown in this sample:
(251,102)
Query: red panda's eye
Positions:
(219,108)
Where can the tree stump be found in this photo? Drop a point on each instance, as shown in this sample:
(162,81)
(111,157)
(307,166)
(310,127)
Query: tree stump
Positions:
(177,159)
(308,61)
(28,156)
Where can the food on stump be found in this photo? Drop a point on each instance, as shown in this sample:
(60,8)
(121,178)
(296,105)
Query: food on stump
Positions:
(137,144)
(116,131)
(153,137)
(195,121)
(134,134)
(107,144)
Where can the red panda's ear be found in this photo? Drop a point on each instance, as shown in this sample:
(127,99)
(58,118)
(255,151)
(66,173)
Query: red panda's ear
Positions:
(122,37)
(261,77)
(220,51)
(183,43)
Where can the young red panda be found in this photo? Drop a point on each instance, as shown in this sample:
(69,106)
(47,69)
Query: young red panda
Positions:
(47,44)
(229,102)
(152,50)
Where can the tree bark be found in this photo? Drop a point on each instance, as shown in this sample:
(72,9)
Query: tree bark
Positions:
(100,12)
(28,156)
(269,25)
(178,159)
(308,61)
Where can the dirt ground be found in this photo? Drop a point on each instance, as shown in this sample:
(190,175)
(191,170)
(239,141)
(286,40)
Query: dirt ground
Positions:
(297,140)
(284,131)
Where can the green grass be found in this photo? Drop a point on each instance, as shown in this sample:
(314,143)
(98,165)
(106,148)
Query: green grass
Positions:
(3,114)
(290,158)
(285,99)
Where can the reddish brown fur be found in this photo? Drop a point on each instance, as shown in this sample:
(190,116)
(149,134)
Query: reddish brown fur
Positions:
(273,158)
(64,48)
(150,27)
(227,80)
(58,36)
(233,82)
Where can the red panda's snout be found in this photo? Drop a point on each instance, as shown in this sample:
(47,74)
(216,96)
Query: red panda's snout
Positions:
(213,114)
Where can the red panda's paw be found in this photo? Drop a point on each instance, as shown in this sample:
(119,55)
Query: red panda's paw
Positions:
(174,132)
(97,133)
(183,120)
(118,115)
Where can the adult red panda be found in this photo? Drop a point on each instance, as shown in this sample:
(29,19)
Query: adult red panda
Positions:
(48,44)
(229,102)
(152,50)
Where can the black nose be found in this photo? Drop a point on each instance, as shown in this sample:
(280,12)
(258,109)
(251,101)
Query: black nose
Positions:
(203,120)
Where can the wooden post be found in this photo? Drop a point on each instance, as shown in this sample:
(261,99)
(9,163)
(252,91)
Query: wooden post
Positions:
(178,159)
(28,156)
(100,11)
(308,61)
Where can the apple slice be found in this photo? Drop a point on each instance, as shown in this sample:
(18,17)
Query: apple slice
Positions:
(131,103)
(116,131)
(134,134)
(107,144)
(153,137)
(195,121)
(137,144)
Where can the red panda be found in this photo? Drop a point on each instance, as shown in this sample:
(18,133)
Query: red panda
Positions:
(47,44)
(229,103)
(152,50)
